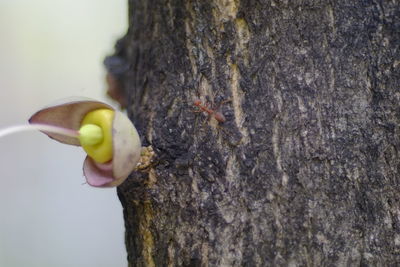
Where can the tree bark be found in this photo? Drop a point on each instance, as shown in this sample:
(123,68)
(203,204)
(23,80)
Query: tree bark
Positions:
(305,169)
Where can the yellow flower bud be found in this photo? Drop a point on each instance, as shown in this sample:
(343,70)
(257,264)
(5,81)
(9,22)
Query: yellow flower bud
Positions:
(108,137)
(97,146)
(90,134)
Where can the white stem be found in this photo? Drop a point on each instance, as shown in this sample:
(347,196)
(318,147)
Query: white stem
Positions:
(39,127)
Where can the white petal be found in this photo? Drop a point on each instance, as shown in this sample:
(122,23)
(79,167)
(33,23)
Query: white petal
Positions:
(126,146)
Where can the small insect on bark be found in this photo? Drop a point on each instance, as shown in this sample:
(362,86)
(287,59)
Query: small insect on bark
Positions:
(212,112)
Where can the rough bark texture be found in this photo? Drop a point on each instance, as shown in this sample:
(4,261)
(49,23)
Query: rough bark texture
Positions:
(305,170)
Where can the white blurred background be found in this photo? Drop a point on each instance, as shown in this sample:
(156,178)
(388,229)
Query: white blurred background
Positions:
(48,217)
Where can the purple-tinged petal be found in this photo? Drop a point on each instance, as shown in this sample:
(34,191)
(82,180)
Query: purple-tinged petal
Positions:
(66,115)
(99,174)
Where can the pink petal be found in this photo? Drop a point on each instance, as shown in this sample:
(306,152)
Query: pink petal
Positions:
(67,115)
(99,175)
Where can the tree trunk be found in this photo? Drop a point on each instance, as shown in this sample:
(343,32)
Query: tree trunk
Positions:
(305,169)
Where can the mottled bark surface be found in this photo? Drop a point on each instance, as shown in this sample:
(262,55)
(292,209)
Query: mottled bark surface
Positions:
(305,170)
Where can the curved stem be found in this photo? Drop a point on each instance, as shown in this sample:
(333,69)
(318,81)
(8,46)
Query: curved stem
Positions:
(40,127)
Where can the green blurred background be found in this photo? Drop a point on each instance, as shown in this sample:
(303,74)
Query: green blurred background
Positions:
(51,50)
